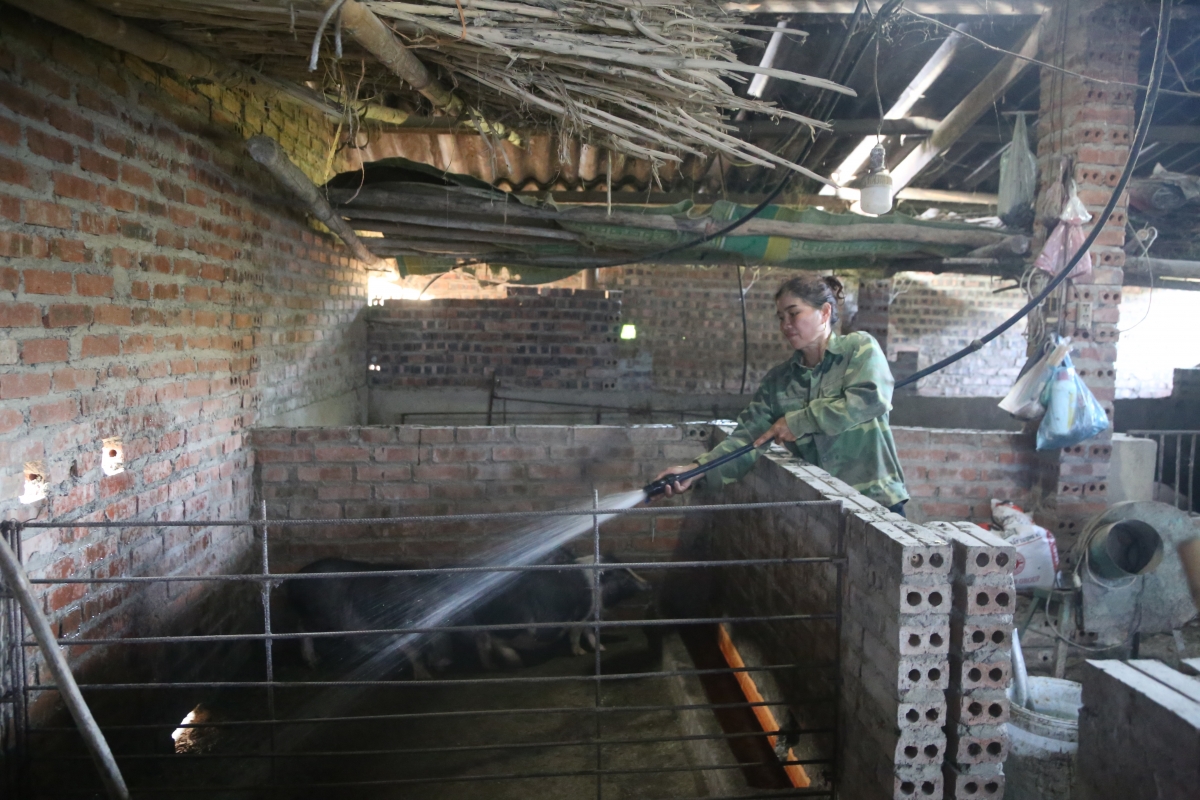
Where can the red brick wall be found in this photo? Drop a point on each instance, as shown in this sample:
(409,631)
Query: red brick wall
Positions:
(953,475)
(148,291)
(357,473)
(547,339)
(689,324)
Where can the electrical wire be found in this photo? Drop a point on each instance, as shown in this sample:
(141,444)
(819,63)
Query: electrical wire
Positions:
(1139,139)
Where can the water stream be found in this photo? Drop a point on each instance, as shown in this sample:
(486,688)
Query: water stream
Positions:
(444,599)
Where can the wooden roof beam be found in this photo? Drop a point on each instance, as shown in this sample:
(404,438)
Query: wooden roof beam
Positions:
(968,112)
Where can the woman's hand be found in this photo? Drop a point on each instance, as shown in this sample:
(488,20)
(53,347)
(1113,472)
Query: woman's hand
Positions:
(780,432)
(678,487)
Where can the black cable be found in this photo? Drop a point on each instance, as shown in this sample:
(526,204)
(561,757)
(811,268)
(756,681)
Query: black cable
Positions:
(745,332)
(1156,73)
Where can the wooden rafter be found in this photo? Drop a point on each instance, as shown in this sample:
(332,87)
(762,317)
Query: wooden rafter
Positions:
(967,112)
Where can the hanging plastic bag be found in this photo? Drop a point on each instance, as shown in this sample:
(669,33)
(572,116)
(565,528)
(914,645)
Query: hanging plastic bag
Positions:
(1066,239)
(1073,414)
(1018,179)
(1024,400)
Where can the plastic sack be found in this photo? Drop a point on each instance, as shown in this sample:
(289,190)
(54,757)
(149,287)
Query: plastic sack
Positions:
(1018,178)
(1066,239)
(1037,551)
(1024,400)
(1073,414)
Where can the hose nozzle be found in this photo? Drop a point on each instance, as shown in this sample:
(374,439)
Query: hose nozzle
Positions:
(655,488)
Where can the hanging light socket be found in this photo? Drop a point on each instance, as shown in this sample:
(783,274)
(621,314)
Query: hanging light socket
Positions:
(875,197)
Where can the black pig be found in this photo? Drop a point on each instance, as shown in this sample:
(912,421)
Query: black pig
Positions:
(543,596)
(368,603)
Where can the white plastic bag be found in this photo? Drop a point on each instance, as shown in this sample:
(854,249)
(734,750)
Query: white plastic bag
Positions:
(1037,552)
(1024,400)
(1018,178)
(1073,414)
(1066,239)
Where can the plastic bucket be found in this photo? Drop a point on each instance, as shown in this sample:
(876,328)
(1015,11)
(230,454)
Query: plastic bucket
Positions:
(1043,741)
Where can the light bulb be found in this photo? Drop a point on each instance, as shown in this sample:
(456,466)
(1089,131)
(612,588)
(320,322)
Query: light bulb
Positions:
(876,194)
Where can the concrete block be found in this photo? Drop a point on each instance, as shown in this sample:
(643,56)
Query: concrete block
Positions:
(979,707)
(991,674)
(916,782)
(1138,736)
(978,744)
(982,781)
(1131,468)
(980,636)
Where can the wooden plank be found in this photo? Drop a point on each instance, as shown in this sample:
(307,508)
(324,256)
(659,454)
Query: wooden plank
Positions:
(968,112)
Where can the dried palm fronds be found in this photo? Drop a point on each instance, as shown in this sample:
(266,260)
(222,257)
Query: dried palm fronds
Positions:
(648,78)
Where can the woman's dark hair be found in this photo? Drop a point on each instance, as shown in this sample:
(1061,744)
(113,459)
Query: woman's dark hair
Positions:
(816,290)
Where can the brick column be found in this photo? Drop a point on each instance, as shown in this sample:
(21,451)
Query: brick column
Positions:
(1091,126)
(873,300)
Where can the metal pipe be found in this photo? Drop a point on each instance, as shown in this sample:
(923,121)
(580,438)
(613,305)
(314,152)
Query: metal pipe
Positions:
(266,151)
(508,626)
(463,748)
(404,684)
(18,584)
(419,715)
(227,523)
(1020,675)
(385,573)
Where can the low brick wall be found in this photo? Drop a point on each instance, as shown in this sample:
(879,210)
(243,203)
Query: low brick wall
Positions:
(353,473)
(952,475)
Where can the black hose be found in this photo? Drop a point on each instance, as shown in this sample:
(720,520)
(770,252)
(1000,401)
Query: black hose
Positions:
(745,332)
(1156,73)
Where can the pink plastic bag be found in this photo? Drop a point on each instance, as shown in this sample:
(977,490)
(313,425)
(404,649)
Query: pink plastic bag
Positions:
(1066,239)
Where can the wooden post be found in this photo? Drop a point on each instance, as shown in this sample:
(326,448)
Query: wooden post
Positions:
(267,152)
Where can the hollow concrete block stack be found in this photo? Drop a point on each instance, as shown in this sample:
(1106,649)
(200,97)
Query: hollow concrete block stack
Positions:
(896,639)
(981,624)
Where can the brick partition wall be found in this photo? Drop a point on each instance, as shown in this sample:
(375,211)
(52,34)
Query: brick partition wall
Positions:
(346,473)
(953,475)
(895,606)
(547,339)
(153,289)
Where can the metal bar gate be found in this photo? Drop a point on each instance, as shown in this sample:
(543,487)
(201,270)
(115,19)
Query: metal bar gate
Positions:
(28,743)
(1175,478)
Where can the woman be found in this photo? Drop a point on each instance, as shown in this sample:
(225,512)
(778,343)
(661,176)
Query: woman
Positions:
(827,404)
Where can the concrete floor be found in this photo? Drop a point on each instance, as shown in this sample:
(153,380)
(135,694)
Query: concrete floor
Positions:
(400,764)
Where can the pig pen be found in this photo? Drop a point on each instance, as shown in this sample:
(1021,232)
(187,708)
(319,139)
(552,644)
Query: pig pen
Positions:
(759,664)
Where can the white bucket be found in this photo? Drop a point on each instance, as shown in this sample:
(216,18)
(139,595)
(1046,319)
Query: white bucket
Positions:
(1043,741)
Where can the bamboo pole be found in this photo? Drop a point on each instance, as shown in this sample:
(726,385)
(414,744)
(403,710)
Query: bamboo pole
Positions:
(115,32)
(370,32)
(267,152)
(18,583)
